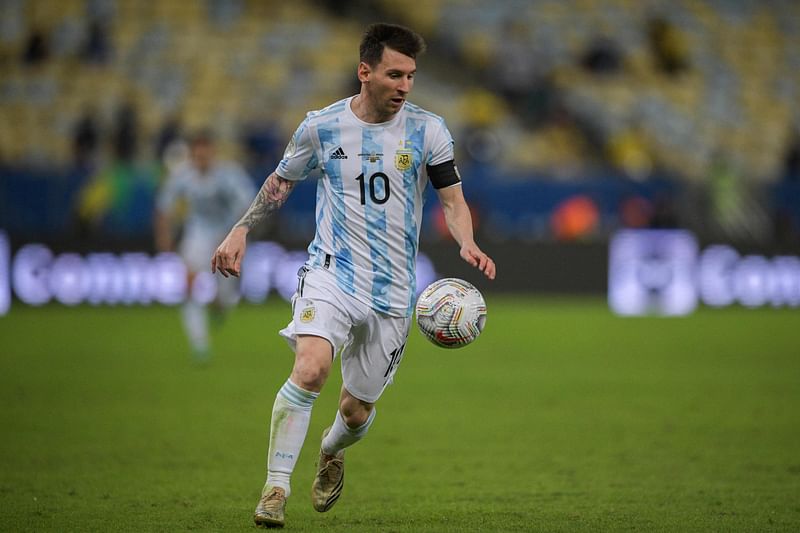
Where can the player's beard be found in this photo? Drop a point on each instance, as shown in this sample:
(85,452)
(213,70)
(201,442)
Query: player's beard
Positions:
(383,103)
(390,107)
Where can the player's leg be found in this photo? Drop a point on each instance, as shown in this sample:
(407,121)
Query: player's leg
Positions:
(291,411)
(195,249)
(317,330)
(228,296)
(369,362)
(351,423)
(194,316)
(291,414)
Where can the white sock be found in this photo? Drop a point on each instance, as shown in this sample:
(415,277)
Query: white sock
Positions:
(291,414)
(340,436)
(195,323)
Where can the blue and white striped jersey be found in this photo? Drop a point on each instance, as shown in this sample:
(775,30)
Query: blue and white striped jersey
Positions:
(369,196)
(214,201)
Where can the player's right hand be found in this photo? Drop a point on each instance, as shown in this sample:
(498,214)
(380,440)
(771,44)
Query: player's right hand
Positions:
(227,260)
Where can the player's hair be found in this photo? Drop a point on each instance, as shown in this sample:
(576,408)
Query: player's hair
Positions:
(201,136)
(399,38)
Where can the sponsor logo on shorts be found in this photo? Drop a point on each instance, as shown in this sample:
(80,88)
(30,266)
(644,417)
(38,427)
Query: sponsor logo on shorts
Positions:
(307,314)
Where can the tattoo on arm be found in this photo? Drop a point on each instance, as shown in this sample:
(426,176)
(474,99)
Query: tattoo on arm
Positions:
(269,199)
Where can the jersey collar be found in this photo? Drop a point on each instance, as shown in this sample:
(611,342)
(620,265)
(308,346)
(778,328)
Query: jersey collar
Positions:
(353,116)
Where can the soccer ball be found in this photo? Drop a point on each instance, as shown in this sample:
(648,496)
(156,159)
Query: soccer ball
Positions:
(451,313)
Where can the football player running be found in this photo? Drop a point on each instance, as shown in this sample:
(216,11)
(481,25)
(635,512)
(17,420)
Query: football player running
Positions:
(376,153)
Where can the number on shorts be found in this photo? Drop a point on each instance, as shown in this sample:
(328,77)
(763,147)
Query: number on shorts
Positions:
(396,354)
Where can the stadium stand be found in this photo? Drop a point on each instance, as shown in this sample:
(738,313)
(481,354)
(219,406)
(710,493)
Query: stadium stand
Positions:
(545,89)
(697,78)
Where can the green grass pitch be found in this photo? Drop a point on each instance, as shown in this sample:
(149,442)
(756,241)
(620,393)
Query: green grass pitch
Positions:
(561,417)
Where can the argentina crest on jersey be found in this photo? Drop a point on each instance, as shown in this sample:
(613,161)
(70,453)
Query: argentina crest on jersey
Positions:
(404,156)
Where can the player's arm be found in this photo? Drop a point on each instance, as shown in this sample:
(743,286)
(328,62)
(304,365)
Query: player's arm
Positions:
(163,229)
(459,222)
(162,226)
(272,195)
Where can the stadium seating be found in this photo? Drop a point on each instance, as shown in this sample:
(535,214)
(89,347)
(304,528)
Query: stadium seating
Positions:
(222,62)
(737,95)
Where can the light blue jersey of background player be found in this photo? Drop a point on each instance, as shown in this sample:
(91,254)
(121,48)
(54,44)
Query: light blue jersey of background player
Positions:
(210,194)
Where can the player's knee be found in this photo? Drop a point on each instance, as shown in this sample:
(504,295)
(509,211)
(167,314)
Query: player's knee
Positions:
(310,373)
(309,376)
(356,413)
(312,363)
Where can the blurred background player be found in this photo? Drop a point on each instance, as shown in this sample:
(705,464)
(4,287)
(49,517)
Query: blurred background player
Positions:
(206,196)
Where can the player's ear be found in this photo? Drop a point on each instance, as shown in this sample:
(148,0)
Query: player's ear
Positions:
(364,71)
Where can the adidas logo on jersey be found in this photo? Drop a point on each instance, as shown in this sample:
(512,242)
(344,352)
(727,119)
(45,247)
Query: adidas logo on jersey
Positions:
(338,154)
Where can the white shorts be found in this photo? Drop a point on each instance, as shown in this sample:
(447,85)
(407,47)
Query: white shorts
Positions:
(196,250)
(371,343)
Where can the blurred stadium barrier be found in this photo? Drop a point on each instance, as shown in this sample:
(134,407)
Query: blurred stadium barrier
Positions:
(664,272)
(642,272)
(35,275)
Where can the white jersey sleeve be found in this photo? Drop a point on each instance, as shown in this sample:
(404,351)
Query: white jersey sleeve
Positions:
(441,145)
(172,190)
(300,158)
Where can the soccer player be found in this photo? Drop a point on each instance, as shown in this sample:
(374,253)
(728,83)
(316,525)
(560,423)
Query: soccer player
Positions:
(212,194)
(376,153)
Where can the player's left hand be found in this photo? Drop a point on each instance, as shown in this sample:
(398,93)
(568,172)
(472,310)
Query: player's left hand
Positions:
(475,257)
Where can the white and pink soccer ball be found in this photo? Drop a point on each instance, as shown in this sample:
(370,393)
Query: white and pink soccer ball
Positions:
(451,313)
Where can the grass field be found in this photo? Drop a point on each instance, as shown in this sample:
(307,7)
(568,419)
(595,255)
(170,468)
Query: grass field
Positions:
(560,418)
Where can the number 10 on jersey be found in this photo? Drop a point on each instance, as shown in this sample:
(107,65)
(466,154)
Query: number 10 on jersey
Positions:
(365,184)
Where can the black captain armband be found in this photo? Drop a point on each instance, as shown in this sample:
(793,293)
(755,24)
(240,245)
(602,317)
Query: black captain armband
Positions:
(443,175)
